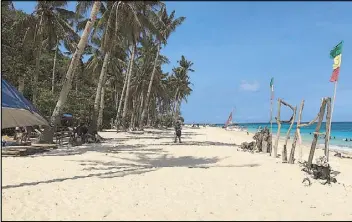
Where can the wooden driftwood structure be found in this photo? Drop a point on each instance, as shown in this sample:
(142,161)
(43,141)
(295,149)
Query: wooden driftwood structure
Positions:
(317,130)
(278,128)
(328,125)
(327,102)
(297,134)
(279,122)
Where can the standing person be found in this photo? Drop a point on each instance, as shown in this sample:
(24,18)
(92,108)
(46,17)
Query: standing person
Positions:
(178,129)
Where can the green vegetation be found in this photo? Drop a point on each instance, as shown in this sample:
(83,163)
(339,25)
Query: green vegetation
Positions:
(122,80)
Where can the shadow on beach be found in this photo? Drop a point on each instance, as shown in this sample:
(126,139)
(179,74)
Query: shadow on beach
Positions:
(100,148)
(112,169)
(198,143)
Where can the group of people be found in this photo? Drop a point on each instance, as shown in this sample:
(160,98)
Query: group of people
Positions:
(323,137)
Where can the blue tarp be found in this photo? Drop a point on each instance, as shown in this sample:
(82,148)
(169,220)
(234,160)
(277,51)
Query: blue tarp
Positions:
(67,115)
(12,98)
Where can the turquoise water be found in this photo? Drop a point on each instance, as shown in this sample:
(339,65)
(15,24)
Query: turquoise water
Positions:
(339,130)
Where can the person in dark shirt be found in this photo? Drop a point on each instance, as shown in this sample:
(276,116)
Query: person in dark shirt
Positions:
(178,128)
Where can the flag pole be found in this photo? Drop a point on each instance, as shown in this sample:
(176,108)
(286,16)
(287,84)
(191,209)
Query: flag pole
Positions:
(332,111)
(338,65)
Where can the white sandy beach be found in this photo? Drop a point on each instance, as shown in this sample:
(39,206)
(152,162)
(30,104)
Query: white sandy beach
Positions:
(148,177)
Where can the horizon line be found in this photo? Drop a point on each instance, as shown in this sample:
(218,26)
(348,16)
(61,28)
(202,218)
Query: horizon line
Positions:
(262,122)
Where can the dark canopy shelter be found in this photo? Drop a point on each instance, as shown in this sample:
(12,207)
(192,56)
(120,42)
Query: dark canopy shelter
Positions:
(16,110)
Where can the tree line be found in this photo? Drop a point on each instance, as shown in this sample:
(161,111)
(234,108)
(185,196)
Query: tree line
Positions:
(122,80)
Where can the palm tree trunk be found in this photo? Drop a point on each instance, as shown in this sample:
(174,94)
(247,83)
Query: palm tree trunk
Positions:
(101,109)
(178,108)
(150,86)
(74,61)
(128,82)
(21,83)
(76,84)
(123,93)
(133,115)
(54,67)
(116,100)
(101,83)
(140,110)
(37,61)
(174,105)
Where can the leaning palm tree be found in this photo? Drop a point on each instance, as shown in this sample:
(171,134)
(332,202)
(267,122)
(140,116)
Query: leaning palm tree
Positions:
(166,25)
(76,57)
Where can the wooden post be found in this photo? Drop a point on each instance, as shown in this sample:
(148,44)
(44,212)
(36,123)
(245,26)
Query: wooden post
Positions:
(328,125)
(316,133)
(291,159)
(278,127)
(271,121)
(284,150)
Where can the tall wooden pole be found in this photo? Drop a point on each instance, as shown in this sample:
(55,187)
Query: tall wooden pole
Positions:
(278,129)
(271,119)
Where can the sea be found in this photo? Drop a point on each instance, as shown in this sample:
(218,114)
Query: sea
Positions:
(339,132)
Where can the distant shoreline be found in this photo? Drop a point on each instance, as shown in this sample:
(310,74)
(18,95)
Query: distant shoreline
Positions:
(274,123)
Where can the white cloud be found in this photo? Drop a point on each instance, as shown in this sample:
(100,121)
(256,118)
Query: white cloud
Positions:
(247,86)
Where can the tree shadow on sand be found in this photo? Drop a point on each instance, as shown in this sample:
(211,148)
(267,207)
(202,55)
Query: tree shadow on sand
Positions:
(155,138)
(112,169)
(115,172)
(101,148)
(198,143)
(143,163)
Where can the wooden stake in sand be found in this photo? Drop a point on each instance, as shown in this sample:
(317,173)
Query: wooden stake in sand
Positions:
(292,120)
(297,135)
(271,109)
(316,133)
(278,128)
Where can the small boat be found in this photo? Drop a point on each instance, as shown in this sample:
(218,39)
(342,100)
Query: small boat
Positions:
(229,125)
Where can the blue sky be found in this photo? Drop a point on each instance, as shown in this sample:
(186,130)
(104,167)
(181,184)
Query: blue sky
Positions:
(237,47)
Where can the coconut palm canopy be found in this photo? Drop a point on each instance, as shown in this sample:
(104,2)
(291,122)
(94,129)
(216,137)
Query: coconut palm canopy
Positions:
(121,82)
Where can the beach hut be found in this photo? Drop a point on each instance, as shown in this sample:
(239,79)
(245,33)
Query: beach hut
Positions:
(16,110)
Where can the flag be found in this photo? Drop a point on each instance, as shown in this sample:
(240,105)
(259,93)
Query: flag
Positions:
(229,120)
(336,55)
(272,87)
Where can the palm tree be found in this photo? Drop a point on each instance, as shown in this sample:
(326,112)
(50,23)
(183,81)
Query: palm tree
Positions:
(182,83)
(29,24)
(52,22)
(108,24)
(137,20)
(76,57)
(166,25)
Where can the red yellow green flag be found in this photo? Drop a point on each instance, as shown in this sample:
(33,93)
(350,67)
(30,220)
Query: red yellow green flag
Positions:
(336,55)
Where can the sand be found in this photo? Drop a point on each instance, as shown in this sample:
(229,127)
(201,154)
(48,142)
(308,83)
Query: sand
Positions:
(148,177)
